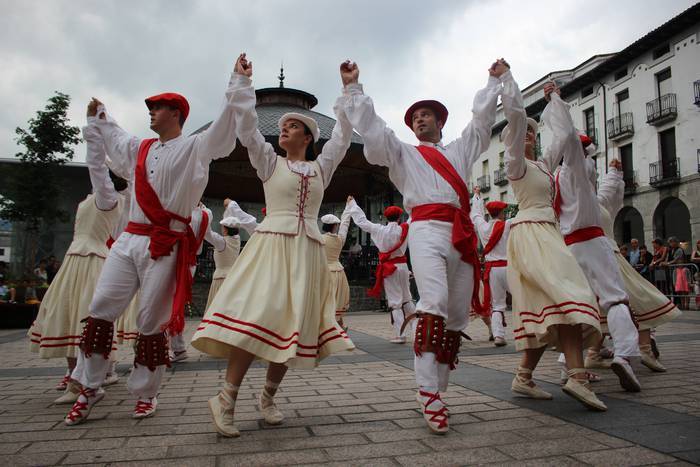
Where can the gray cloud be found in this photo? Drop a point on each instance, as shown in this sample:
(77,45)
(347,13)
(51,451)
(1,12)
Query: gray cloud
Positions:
(124,51)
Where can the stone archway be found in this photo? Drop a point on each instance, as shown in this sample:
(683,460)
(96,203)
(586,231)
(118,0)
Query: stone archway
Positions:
(629,224)
(672,218)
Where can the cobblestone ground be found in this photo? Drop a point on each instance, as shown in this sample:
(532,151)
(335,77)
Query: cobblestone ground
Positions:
(359,409)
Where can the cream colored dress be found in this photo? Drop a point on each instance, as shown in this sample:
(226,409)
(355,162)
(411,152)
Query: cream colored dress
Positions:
(547,284)
(650,307)
(57,329)
(333,243)
(224,261)
(277,302)
(125,326)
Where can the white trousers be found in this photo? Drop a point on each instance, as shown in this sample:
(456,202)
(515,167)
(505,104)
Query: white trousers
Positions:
(445,285)
(397,290)
(499,287)
(129,268)
(597,259)
(177,343)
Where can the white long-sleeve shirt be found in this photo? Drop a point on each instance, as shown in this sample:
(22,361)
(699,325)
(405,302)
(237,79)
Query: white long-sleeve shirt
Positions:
(178,169)
(262,154)
(216,239)
(106,196)
(579,204)
(385,237)
(247,221)
(611,193)
(345,219)
(417,181)
(484,229)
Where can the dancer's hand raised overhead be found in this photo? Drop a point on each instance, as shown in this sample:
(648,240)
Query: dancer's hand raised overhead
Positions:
(244,66)
(349,72)
(499,67)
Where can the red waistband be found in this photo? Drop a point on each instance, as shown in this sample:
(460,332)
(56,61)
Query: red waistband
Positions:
(582,235)
(498,263)
(434,212)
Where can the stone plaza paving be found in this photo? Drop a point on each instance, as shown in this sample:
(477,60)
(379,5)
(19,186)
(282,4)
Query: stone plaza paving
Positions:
(359,408)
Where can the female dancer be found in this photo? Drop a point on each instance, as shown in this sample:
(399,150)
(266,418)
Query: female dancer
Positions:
(276,303)
(335,232)
(552,302)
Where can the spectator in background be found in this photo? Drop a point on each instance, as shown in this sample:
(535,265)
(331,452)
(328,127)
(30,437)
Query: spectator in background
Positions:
(624,251)
(52,268)
(4,272)
(658,266)
(634,252)
(645,259)
(678,274)
(4,290)
(695,256)
(24,293)
(41,273)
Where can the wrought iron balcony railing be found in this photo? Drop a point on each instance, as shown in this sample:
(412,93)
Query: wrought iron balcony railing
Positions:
(664,172)
(662,109)
(630,179)
(499,177)
(484,183)
(621,126)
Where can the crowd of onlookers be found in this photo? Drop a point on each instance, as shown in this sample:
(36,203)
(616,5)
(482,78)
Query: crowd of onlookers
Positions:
(670,266)
(30,287)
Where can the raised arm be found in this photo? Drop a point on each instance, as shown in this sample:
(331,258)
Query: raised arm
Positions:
(248,222)
(345,219)
(215,238)
(261,153)
(479,219)
(611,193)
(219,140)
(334,150)
(120,145)
(359,217)
(514,133)
(566,142)
(381,146)
(106,197)
(476,137)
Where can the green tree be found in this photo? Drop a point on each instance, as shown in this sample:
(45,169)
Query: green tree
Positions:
(30,196)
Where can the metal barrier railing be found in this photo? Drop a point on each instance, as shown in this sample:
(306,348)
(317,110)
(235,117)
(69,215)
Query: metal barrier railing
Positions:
(679,282)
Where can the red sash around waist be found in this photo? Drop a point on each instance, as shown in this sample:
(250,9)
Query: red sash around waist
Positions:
(163,239)
(582,235)
(387,264)
(488,265)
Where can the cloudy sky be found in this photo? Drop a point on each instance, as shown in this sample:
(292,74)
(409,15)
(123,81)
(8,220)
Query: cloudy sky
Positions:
(122,51)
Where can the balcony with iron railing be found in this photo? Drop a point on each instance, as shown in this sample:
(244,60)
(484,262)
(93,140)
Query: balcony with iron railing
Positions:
(630,179)
(662,109)
(664,172)
(696,86)
(621,126)
(484,183)
(499,177)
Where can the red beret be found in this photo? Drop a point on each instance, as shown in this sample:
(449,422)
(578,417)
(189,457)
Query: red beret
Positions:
(585,140)
(495,207)
(439,109)
(170,98)
(264,211)
(393,211)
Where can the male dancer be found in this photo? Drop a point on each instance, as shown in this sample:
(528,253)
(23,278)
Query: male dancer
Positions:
(155,252)
(580,223)
(392,271)
(494,238)
(432,179)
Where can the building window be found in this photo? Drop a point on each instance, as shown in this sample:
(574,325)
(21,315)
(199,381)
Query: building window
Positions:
(485,167)
(501,159)
(667,145)
(2,252)
(589,123)
(587,92)
(620,74)
(504,195)
(660,51)
(627,167)
(663,82)
(622,101)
